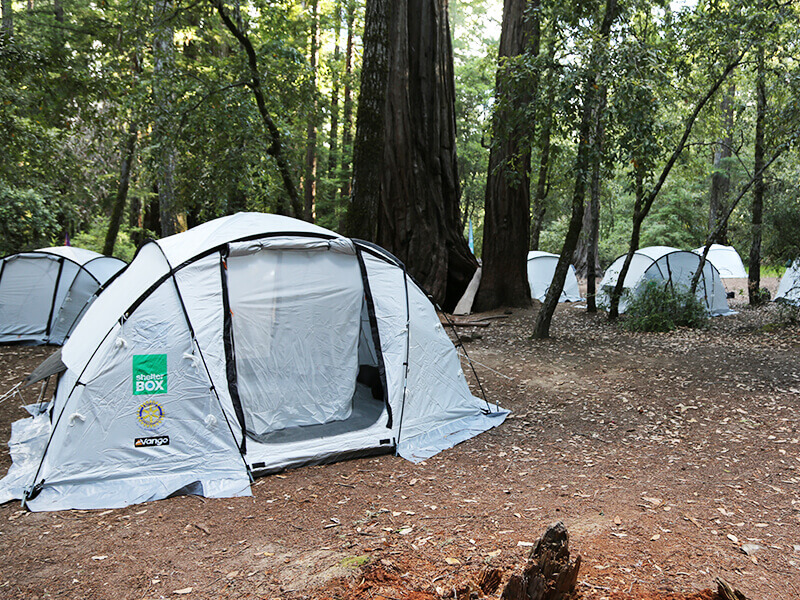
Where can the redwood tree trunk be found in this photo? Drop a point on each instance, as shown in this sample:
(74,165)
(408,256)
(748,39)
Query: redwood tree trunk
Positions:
(506,229)
(347,114)
(754,275)
(419,218)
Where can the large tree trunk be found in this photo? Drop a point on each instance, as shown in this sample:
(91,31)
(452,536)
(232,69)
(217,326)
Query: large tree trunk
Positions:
(310,183)
(163,123)
(582,160)
(126,164)
(721,175)
(506,228)
(411,181)
(754,275)
(419,218)
(368,149)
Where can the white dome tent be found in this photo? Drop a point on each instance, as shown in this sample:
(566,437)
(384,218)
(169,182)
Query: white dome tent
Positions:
(43,293)
(789,288)
(244,346)
(541,266)
(663,263)
(726,259)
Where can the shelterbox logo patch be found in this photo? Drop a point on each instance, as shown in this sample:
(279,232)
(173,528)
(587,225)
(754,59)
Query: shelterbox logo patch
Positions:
(149,374)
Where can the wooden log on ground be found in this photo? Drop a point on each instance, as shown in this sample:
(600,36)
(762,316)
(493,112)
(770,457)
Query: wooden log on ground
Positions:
(549,573)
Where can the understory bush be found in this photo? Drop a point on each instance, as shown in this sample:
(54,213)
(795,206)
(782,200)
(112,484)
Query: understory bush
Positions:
(662,306)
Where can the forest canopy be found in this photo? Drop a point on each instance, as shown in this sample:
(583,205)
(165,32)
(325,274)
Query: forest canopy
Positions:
(123,120)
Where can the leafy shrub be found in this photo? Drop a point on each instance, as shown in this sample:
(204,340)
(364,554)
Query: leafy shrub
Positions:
(27,220)
(661,306)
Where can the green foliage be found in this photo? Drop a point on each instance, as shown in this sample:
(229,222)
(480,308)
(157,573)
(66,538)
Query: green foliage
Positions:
(26,220)
(94,237)
(661,306)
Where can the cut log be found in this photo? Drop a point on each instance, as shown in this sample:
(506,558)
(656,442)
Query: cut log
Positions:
(549,573)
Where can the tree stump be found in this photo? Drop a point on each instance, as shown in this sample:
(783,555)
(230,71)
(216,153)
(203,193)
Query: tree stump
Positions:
(549,574)
(727,592)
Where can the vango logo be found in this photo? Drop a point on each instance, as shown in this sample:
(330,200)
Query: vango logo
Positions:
(149,442)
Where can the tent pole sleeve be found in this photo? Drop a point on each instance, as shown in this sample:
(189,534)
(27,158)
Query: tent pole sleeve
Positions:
(55,293)
(405,364)
(376,338)
(203,359)
(230,349)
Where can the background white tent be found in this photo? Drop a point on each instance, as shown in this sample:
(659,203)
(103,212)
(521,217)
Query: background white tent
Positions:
(789,288)
(246,345)
(541,266)
(43,293)
(726,259)
(662,263)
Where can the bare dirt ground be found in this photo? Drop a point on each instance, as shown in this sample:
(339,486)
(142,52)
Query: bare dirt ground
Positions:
(672,459)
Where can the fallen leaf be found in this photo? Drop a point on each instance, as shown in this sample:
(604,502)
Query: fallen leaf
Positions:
(655,537)
(452,561)
(495,553)
(100,557)
(750,549)
(187,590)
(733,538)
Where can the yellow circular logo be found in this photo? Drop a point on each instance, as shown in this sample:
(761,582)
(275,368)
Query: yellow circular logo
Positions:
(151,415)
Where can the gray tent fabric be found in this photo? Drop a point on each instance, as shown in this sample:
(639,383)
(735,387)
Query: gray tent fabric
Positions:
(663,263)
(726,259)
(541,268)
(52,365)
(44,293)
(789,287)
(249,344)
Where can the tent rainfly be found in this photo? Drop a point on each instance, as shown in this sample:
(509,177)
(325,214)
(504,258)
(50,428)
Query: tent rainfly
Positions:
(244,346)
(662,263)
(541,266)
(789,288)
(726,259)
(43,293)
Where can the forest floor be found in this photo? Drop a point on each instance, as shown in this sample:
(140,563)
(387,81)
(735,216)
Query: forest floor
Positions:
(671,458)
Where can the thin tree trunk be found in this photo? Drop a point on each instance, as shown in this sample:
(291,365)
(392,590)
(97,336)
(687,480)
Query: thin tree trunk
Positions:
(8,21)
(125,167)
(542,187)
(276,148)
(721,175)
(754,275)
(641,210)
(582,160)
(310,183)
(592,260)
(506,228)
(347,116)
(163,125)
(368,150)
(333,136)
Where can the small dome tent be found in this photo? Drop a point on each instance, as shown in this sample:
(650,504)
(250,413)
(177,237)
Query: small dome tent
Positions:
(789,288)
(662,263)
(43,293)
(541,266)
(726,259)
(246,345)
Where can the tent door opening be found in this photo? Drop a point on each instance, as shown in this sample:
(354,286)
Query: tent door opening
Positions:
(305,359)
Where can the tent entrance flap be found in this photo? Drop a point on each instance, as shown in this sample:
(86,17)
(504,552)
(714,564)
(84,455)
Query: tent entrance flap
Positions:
(296,320)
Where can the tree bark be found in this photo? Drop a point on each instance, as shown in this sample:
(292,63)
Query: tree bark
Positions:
(125,167)
(333,135)
(545,316)
(506,228)
(310,182)
(276,148)
(419,217)
(163,123)
(347,114)
(368,149)
(721,175)
(641,210)
(754,275)
(592,250)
